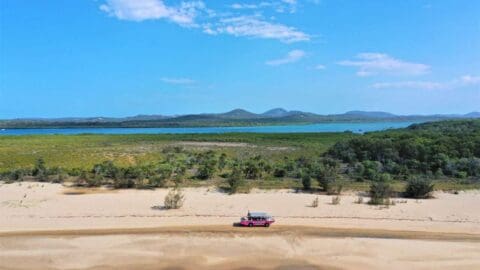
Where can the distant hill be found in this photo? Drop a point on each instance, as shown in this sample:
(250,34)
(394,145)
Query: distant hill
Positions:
(473,115)
(277,112)
(371,114)
(238,114)
(236,117)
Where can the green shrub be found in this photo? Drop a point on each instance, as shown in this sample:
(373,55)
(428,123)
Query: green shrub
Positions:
(123,183)
(17,175)
(40,170)
(279,172)
(419,188)
(383,177)
(222,161)
(380,192)
(105,169)
(157,181)
(235,180)
(327,178)
(252,169)
(307,182)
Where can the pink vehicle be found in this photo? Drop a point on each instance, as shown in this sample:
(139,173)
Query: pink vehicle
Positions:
(257,219)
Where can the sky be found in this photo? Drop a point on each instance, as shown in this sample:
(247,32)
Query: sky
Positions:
(128,57)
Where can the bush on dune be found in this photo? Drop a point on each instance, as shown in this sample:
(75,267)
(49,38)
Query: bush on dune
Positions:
(380,193)
(419,188)
(174,199)
(235,178)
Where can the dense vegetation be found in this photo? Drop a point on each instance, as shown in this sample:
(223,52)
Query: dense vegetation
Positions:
(450,148)
(411,161)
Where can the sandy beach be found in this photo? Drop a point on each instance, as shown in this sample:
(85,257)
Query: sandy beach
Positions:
(49,226)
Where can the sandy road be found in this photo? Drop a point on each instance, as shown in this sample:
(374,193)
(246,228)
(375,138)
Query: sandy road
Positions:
(235,231)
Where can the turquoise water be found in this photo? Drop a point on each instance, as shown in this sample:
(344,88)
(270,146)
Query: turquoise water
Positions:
(323,127)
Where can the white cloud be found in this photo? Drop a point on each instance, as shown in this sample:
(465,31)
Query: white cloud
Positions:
(250,26)
(469,80)
(463,81)
(280,6)
(248,6)
(369,64)
(140,10)
(320,67)
(426,85)
(196,14)
(177,80)
(291,57)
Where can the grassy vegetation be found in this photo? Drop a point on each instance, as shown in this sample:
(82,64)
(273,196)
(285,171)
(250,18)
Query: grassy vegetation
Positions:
(440,156)
(84,151)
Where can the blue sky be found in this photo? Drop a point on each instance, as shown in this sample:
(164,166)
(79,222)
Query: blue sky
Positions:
(126,57)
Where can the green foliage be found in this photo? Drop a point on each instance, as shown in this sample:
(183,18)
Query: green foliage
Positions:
(84,151)
(279,171)
(40,170)
(380,192)
(443,150)
(123,183)
(419,188)
(235,178)
(307,182)
(371,169)
(18,174)
(327,176)
(255,167)
(383,177)
(450,148)
(207,165)
(222,162)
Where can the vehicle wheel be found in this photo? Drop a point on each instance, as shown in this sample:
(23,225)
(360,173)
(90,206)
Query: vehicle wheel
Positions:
(250,224)
(267,224)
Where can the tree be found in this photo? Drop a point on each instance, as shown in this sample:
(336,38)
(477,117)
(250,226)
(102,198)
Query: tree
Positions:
(306,181)
(253,168)
(326,176)
(207,165)
(235,179)
(206,170)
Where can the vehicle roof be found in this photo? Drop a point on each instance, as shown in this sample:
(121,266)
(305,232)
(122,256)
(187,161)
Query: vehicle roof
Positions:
(258,214)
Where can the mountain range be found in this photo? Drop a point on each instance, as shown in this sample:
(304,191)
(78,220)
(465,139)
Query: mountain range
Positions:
(237,117)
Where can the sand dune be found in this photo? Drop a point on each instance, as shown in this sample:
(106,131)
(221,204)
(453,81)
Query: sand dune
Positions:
(48,226)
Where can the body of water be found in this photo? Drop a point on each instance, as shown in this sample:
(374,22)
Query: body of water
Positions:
(323,127)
